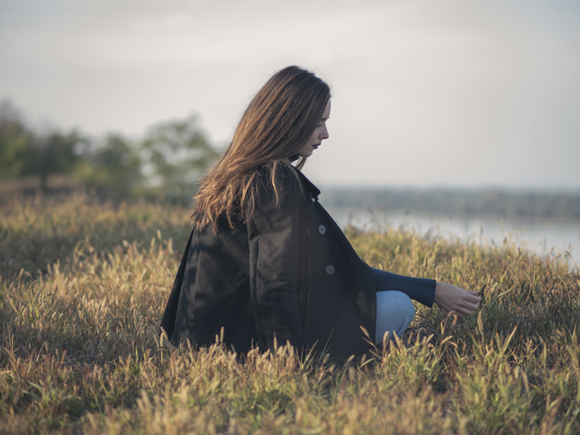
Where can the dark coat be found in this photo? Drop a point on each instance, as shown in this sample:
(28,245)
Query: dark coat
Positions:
(288,272)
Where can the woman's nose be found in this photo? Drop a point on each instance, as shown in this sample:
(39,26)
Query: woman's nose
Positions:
(324,133)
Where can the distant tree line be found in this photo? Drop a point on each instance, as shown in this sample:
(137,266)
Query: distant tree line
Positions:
(458,202)
(164,164)
(167,161)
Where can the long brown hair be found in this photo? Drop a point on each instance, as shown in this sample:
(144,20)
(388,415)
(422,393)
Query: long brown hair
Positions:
(277,123)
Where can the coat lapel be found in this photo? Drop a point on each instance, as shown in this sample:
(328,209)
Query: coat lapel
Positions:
(314,191)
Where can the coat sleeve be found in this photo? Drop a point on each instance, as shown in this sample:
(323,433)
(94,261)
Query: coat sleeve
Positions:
(273,243)
(420,289)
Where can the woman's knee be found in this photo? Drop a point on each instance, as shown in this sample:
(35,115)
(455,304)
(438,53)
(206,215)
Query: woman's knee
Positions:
(395,312)
(406,306)
(395,303)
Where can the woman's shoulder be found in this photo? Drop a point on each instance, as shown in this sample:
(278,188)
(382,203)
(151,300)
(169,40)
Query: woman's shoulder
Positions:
(277,180)
(279,174)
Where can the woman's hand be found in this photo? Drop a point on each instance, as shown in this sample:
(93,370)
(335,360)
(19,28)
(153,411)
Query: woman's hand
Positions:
(455,299)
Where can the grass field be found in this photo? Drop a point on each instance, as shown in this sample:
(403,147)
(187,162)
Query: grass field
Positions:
(83,286)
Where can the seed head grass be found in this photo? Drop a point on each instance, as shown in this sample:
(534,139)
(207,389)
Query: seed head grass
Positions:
(84,284)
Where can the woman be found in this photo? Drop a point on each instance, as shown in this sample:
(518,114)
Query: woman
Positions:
(265,262)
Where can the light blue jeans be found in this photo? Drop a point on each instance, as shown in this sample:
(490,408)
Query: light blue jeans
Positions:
(395,312)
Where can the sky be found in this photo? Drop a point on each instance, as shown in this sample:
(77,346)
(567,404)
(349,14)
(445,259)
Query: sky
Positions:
(454,93)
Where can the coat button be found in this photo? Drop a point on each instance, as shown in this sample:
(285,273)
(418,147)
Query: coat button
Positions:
(330,269)
(322,229)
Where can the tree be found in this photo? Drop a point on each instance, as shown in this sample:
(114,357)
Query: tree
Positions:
(164,165)
(175,155)
(56,154)
(24,152)
(112,168)
(16,152)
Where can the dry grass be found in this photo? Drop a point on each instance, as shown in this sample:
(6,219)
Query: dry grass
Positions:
(84,285)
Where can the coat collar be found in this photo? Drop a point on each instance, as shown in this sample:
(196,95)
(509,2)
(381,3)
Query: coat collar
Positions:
(314,191)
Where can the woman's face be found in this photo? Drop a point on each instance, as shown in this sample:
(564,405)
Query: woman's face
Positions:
(318,135)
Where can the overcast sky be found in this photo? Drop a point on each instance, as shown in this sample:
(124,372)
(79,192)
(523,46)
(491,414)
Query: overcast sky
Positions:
(425,92)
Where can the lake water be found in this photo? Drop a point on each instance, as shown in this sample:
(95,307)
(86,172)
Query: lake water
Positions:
(541,237)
